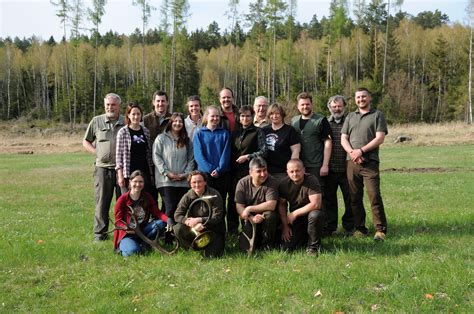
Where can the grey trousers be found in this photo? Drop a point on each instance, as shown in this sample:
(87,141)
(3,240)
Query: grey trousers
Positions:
(105,182)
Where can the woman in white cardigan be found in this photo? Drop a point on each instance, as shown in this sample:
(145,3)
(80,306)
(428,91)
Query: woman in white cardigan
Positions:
(174,160)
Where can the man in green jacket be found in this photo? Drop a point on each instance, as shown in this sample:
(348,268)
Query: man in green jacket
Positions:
(316,139)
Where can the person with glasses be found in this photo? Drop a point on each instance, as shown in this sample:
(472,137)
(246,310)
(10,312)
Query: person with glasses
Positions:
(283,142)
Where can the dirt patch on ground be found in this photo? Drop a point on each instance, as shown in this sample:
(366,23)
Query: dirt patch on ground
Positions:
(419,170)
(422,134)
(31,138)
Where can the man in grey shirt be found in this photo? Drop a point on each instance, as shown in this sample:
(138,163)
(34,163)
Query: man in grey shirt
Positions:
(100,139)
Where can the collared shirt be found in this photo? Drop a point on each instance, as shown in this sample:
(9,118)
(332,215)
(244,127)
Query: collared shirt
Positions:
(260,124)
(156,124)
(103,132)
(337,163)
(123,151)
(191,126)
(362,128)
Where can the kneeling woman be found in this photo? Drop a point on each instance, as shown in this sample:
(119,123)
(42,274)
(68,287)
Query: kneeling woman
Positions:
(145,208)
(197,216)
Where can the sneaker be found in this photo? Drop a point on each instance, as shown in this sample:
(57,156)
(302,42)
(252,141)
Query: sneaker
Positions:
(379,236)
(359,234)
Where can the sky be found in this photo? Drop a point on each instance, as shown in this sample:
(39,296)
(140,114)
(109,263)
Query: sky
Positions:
(24,18)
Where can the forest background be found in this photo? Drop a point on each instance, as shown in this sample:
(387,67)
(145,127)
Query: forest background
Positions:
(418,67)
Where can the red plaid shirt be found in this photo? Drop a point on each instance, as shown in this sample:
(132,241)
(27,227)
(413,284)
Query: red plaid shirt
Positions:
(124,144)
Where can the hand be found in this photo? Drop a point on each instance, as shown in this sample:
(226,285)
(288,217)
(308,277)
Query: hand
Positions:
(355,154)
(172,176)
(242,159)
(258,218)
(169,224)
(359,160)
(286,233)
(199,227)
(191,222)
(214,174)
(121,181)
(246,213)
(324,171)
(291,218)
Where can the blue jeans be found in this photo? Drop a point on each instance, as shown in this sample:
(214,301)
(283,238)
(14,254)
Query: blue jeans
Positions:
(132,244)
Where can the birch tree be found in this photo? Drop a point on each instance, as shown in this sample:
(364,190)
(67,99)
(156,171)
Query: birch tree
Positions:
(95,16)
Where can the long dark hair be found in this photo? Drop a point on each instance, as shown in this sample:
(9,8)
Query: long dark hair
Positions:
(183,138)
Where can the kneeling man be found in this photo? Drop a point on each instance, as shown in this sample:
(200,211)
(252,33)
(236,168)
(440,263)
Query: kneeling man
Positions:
(304,223)
(194,217)
(256,198)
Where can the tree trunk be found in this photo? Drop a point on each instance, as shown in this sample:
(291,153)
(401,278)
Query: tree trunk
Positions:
(469,106)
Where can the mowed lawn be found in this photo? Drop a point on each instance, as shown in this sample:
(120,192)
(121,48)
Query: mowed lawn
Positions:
(48,262)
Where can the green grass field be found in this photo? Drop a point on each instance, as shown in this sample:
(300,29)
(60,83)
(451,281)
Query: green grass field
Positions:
(48,262)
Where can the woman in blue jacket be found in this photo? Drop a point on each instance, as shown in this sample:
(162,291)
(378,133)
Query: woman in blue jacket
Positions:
(211,145)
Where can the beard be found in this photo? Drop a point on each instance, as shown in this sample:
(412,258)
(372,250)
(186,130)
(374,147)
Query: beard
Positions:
(111,115)
(338,115)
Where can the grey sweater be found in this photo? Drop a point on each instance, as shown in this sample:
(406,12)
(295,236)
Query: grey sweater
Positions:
(168,158)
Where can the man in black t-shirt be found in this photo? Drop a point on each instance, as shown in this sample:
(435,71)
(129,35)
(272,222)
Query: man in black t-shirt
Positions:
(304,223)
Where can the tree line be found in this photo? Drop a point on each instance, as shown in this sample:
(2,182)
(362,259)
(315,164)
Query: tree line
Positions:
(417,67)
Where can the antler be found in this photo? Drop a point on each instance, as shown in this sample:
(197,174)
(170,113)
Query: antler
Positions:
(155,244)
(251,239)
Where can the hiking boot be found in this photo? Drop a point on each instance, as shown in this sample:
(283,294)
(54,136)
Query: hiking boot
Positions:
(359,234)
(313,251)
(100,237)
(379,236)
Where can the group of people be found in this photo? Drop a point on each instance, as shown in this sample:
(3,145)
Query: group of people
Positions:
(254,171)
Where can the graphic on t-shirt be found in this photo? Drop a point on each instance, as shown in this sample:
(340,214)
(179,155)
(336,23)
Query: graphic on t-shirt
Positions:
(271,140)
(140,213)
(137,139)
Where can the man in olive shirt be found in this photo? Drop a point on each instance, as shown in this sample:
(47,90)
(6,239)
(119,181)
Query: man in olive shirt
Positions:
(100,139)
(256,197)
(303,224)
(362,133)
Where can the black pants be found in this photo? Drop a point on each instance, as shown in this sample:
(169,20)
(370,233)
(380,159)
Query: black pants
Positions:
(307,230)
(233,218)
(186,236)
(171,195)
(222,185)
(334,181)
(266,236)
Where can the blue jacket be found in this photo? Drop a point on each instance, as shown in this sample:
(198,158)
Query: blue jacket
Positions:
(212,150)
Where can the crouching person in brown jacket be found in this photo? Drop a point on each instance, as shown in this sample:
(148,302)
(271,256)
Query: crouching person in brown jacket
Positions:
(201,211)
